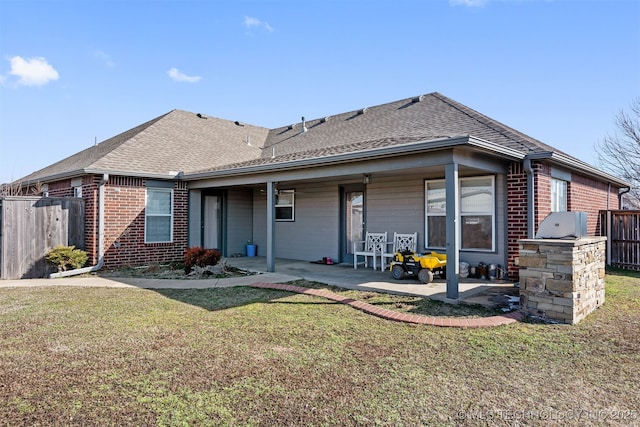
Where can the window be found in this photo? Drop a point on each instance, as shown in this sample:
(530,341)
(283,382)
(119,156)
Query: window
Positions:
(477,216)
(77,191)
(477,212)
(436,214)
(159,216)
(558,195)
(285,205)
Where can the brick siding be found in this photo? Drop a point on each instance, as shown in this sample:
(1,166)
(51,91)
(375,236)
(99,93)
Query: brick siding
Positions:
(517,214)
(125,199)
(588,195)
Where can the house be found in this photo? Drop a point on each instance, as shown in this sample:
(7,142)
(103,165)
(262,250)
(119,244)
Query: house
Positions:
(469,185)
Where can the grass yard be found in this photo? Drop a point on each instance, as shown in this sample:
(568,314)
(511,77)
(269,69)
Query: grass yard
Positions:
(242,356)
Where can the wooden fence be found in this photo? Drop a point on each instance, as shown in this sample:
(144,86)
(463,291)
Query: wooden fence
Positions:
(622,229)
(30,226)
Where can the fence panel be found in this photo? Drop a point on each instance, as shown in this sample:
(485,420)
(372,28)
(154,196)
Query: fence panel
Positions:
(622,229)
(30,226)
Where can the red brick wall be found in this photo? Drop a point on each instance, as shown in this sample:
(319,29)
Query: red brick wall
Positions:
(124,221)
(542,191)
(517,214)
(60,189)
(584,194)
(124,225)
(588,195)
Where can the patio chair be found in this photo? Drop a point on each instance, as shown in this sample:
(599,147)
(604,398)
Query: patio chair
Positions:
(401,242)
(371,246)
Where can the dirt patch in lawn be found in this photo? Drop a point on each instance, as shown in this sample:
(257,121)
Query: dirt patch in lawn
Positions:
(176,271)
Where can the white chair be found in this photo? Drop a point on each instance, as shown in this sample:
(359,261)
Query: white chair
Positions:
(371,246)
(401,242)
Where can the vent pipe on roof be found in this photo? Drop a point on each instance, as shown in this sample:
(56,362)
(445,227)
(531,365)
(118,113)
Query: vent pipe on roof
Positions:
(417,99)
(364,110)
(304,127)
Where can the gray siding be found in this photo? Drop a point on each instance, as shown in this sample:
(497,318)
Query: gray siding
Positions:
(314,233)
(239,217)
(195,218)
(398,205)
(393,204)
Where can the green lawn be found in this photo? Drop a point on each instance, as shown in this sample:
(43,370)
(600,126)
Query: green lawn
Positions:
(241,356)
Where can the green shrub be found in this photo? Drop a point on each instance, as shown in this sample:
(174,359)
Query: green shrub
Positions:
(201,257)
(65,257)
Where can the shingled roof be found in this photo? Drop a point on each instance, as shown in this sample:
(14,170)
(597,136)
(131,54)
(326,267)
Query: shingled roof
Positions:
(431,117)
(178,141)
(184,142)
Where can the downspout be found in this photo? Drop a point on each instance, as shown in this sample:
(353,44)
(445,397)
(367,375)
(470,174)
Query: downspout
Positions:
(530,200)
(98,266)
(620,194)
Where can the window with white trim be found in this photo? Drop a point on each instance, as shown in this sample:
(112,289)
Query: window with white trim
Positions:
(558,195)
(436,208)
(158,226)
(477,213)
(285,205)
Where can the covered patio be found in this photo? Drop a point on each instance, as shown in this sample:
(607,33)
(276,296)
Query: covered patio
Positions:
(471,291)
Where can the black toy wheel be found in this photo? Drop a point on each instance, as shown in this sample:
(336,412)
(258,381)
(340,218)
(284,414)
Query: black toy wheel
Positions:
(397,272)
(425,276)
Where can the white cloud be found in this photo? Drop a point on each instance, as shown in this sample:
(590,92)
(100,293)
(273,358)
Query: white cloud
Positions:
(468,3)
(105,58)
(32,71)
(178,76)
(250,22)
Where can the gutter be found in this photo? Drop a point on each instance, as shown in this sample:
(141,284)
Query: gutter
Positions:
(622,193)
(577,165)
(81,172)
(98,266)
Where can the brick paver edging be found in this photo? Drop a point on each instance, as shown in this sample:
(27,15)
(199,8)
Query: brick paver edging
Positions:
(481,322)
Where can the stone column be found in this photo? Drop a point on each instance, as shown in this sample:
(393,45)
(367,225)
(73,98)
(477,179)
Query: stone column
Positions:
(562,280)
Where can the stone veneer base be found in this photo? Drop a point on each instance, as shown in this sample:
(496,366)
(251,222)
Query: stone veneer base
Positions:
(562,279)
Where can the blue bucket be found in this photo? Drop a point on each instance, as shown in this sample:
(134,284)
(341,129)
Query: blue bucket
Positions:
(252,250)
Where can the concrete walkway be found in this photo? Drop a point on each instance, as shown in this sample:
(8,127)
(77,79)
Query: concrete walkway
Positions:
(131,282)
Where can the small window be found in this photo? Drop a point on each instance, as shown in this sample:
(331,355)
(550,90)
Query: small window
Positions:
(558,195)
(285,205)
(159,216)
(77,191)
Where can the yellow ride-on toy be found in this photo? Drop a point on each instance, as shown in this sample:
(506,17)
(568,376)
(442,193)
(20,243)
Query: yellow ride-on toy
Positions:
(424,266)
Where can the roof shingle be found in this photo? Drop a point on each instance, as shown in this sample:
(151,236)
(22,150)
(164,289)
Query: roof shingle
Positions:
(181,141)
